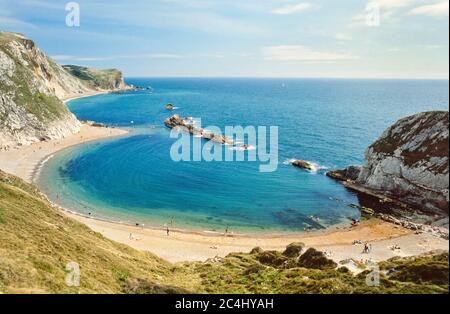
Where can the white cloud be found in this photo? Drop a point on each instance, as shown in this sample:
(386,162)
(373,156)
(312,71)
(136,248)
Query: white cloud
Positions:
(435,10)
(303,54)
(433,46)
(343,37)
(386,8)
(62,58)
(293,8)
(393,4)
(66,58)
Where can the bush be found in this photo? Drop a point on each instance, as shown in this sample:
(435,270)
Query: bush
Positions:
(256,250)
(315,260)
(272,258)
(294,249)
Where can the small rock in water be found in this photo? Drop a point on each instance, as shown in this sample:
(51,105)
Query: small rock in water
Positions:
(170,107)
(303,164)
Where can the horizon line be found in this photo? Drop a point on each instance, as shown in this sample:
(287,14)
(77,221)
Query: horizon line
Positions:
(285,78)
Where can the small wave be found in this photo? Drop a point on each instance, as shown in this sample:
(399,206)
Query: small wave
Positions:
(38,168)
(288,162)
(46,159)
(240,148)
(317,167)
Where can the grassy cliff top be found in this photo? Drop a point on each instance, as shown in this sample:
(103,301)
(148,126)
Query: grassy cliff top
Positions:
(6,35)
(10,36)
(94,78)
(419,137)
(37,241)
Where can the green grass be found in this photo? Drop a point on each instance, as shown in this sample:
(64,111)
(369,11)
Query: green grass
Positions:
(431,147)
(241,273)
(37,241)
(93,78)
(45,108)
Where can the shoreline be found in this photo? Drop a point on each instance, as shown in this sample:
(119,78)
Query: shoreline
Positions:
(26,161)
(90,94)
(191,246)
(194,245)
(207,233)
(66,100)
(34,176)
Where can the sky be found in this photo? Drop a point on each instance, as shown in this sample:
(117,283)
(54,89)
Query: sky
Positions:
(242,38)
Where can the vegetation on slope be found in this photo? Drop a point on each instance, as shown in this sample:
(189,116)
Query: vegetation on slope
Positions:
(31,88)
(25,93)
(37,241)
(244,273)
(420,127)
(97,79)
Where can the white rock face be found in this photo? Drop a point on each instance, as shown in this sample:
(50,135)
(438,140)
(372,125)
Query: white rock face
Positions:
(410,161)
(21,128)
(31,89)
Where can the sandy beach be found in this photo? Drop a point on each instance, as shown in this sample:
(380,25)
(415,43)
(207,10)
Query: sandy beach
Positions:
(88,94)
(180,246)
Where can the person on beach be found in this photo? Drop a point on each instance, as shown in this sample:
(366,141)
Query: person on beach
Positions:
(367,248)
(168,231)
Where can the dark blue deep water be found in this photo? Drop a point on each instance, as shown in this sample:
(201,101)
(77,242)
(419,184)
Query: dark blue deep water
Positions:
(328,122)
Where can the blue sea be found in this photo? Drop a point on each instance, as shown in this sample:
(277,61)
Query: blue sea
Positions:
(133,179)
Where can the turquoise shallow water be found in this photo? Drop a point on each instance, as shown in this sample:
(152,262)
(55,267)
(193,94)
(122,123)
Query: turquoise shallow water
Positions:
(133,179)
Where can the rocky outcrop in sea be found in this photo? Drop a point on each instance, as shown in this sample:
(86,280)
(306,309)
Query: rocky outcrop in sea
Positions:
(188,125)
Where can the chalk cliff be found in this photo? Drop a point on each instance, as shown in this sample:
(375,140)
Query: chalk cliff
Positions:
(410,161)
(32,87)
